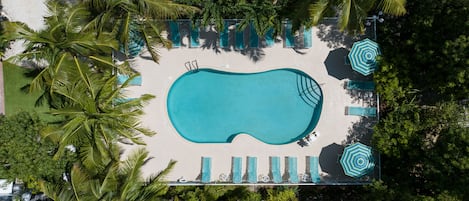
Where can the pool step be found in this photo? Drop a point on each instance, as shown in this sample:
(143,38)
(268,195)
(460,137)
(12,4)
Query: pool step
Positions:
(309,90)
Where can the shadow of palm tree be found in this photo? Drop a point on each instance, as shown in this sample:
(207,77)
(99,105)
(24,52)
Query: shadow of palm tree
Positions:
(329,33)
(210,36)
(361,131)
(255,54)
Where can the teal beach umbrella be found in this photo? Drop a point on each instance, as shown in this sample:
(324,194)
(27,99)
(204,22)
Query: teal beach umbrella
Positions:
(357,160)
(362,56)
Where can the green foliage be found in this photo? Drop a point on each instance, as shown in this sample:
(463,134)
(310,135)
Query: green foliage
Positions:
(281,194)
(353,13)
(16,99)
(424,150)
(25,155)
(117,16)
(90,118)
(231,193)
(432,53)
(392,88)
(121,181)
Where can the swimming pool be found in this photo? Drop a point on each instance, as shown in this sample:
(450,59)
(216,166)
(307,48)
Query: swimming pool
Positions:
(275,107)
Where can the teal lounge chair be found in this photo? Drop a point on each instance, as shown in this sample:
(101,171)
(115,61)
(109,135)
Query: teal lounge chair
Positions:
(360,85)
(289,39)
(307,37)
(206,169)
(293,169)
(174,34)
(252,169)
(237,170)
(269,38)
(123,100)
(313,169)
(136,81)
(224,35)
(275,169)
(253,37)
(194,35)
(239,39)
(361,111)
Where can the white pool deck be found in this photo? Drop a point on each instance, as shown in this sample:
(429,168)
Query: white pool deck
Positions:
(334,126)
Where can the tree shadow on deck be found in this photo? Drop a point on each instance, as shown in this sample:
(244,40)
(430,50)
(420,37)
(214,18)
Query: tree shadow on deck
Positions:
(361,131)
(329,33)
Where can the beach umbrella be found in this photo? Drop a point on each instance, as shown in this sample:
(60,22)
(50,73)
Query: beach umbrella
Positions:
(357,160)
(362,56)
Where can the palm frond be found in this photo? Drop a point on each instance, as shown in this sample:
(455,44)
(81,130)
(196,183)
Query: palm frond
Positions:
(317,10)
(393,7)
(163,9)
(56,191)
(344,14)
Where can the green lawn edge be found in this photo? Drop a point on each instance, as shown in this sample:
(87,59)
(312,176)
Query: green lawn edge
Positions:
(17,99)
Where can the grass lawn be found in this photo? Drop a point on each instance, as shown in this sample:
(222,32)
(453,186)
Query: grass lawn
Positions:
(15,98)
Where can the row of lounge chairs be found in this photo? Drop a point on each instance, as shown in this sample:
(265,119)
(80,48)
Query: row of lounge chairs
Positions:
(364,86)
(240,42)
(275,175)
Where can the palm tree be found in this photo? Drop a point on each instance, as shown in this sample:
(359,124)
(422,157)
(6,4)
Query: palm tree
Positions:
(53,47)
(91,117)
(262,14)
(352,13)
(122,181)
(120,16)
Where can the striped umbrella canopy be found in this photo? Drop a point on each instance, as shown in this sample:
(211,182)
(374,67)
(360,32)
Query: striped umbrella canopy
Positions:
(357,160)
(363,56)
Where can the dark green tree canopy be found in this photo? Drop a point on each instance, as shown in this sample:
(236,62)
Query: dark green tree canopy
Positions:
(25,155)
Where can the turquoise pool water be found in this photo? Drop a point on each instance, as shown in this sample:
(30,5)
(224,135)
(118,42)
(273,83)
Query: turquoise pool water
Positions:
(276,107)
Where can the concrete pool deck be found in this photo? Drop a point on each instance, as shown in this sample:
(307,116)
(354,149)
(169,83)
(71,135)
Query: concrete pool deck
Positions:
(334,126)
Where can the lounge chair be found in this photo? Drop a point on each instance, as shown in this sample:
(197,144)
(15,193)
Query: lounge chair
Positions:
(313,169)
(237,170)
(175,36)
(293,170)
(123,100)
(289,39)
(361,111)
(239,39)
(269,38)
(360,85)
(135,81)
(194,35)
(307,37)
(224,35)
(206,169)
(252,169)
(136,42)
(253,37)
(275,169)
